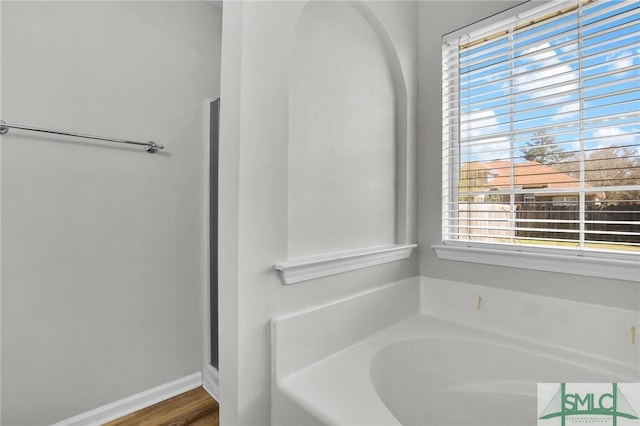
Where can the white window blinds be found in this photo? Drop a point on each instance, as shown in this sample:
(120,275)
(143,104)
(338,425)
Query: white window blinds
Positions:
(541,129)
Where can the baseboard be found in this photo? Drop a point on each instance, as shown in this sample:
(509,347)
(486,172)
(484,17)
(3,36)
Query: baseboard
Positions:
(210,382)
(133,403)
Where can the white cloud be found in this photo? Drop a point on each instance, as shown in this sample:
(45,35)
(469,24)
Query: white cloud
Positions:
(545,69)
(614,135)
(483,124)
(478,123)
(550,53)
(610,131)
(568,111)
(568,48)
(616,61)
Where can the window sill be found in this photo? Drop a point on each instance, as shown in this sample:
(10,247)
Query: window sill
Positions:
(307,268)
(576,264)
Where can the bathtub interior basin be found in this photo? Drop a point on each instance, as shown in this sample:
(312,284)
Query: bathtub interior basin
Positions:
(461,381)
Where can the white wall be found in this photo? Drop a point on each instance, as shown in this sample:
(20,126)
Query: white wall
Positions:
(101,243)
(254,177)
(342,139)
(436,19)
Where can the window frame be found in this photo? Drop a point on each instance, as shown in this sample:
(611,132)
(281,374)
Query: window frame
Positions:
(623,266)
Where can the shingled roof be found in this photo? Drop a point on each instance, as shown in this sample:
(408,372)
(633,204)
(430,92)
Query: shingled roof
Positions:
(528,174)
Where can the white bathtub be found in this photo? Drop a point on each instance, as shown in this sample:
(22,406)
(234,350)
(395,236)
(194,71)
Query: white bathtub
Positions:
(422,370)
(476,381)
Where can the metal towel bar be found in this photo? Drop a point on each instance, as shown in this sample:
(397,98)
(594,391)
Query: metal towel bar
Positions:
(149,146)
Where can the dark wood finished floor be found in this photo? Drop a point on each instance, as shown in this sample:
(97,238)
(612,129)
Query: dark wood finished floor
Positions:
(193,408)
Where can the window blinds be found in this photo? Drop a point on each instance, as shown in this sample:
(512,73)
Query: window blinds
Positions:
(541,129)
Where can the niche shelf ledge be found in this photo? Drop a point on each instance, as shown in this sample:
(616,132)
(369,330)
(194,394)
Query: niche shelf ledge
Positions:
(307,268)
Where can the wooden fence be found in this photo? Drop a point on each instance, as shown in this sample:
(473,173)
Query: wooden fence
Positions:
(617,218)
(483,222)
(490,222)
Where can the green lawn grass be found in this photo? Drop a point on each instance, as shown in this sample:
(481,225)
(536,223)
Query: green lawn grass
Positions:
(597,246)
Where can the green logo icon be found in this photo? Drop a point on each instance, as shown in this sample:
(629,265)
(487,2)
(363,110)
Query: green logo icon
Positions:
(565,404)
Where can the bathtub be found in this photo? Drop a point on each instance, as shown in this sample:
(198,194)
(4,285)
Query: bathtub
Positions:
(422,369)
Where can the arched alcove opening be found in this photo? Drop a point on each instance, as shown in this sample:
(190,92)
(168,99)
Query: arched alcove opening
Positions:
(347,110)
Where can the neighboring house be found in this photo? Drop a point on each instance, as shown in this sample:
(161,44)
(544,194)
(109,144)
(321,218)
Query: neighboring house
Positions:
(483,178)
(484,211)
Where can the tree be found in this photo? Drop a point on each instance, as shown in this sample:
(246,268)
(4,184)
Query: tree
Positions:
(471,179)
(614,166)
(610,166)
(543,149)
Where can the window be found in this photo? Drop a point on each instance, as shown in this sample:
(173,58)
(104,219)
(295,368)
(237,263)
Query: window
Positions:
(566,201)
(542,109)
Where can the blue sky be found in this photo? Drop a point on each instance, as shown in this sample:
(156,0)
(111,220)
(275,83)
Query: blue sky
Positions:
(546,84)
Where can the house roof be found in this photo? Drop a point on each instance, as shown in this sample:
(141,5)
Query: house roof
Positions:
(528,174)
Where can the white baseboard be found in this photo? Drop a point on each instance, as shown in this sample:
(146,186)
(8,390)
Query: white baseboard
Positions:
(134,403)
(210,382)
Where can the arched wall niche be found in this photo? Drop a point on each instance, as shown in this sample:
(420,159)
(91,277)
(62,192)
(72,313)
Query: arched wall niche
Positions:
(347,133)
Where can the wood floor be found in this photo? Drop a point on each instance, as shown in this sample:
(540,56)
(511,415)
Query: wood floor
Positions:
(193,408)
